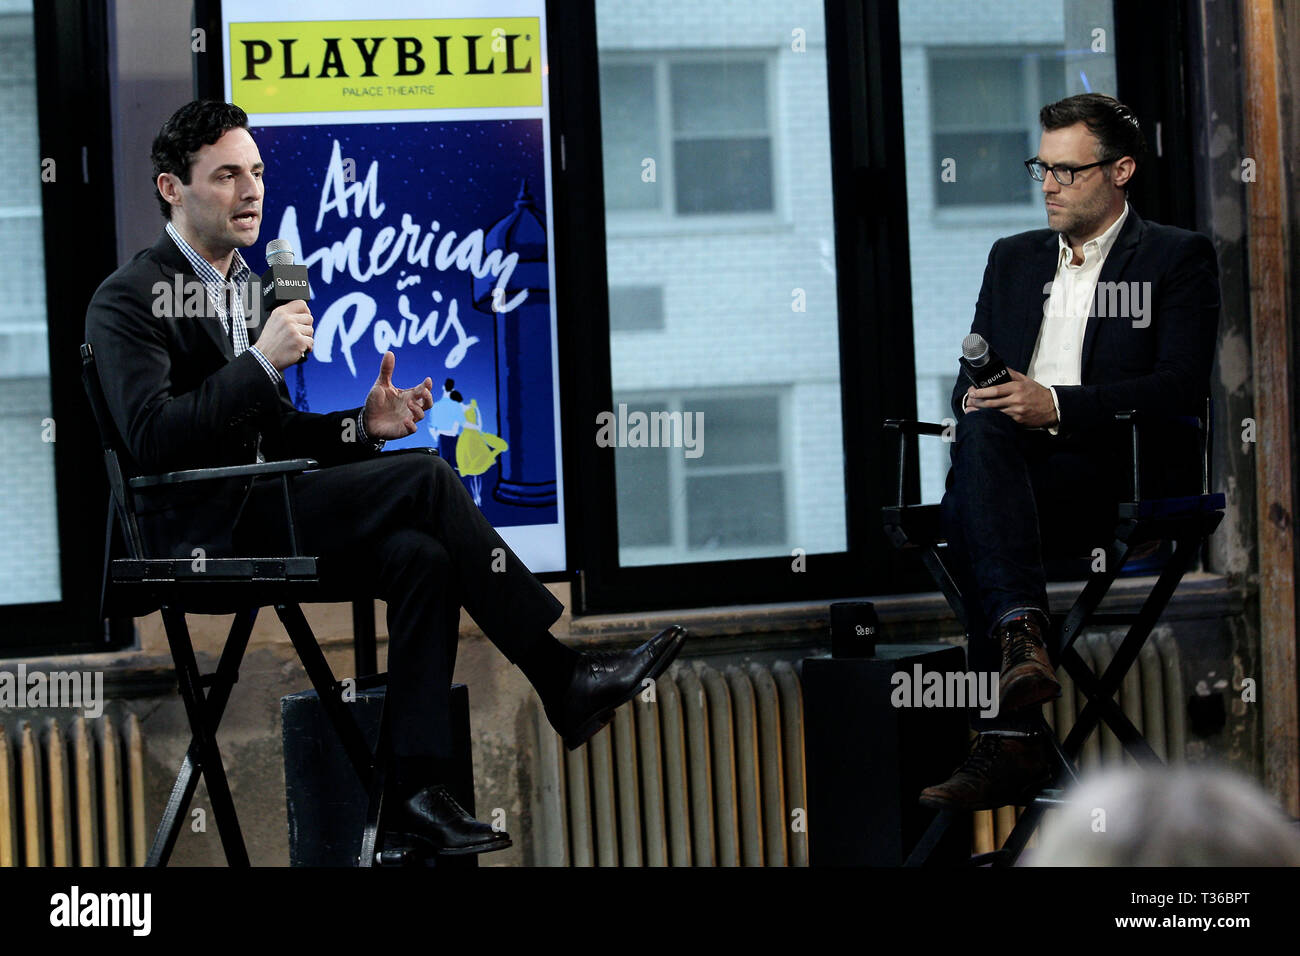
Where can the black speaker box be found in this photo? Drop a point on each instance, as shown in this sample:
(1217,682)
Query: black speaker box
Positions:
(868,760)
(326,802)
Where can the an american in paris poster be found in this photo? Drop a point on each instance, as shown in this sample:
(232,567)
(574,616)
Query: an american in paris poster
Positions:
(407,165)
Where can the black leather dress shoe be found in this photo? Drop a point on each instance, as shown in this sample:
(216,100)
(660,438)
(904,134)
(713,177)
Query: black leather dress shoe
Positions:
(432,819)
(604,680)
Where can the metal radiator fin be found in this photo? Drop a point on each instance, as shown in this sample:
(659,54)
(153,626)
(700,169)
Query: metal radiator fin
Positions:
(705,768)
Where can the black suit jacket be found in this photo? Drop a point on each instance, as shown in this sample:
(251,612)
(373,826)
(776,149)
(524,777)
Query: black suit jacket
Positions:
(180,399)
(1158,364)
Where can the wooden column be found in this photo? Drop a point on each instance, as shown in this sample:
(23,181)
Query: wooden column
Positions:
(1274,391)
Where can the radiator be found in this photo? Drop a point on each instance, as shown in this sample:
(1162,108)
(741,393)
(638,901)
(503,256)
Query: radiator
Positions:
(712,772)
(1152,697)
(708,773)
(72,792)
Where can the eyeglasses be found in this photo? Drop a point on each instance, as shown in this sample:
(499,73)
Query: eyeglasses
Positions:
(1064,174)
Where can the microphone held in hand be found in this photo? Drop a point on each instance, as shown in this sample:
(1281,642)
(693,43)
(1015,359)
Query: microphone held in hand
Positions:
(283,281)
(981,364)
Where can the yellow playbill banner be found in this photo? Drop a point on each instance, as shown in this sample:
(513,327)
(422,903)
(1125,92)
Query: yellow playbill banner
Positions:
(346,65)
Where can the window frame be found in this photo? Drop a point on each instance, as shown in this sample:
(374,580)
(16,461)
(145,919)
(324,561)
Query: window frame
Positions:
(1032,85)
(680,472)
(872,266)
(75,129)
(666,220)
(875,360)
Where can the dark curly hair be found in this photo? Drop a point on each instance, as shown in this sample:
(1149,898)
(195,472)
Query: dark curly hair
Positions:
(196,124)
(1116,128)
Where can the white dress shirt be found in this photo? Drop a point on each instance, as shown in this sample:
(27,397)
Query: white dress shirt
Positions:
(1058,353)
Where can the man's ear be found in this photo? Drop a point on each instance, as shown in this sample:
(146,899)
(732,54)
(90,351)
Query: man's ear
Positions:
(1123,170)
(169,185)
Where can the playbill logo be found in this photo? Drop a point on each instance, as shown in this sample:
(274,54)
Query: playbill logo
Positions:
(103,909)
(79,690)
(951,689)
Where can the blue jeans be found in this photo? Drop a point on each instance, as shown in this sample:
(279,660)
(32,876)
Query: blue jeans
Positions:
(1015,496)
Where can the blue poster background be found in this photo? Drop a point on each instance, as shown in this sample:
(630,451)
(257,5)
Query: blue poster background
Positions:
(410,232)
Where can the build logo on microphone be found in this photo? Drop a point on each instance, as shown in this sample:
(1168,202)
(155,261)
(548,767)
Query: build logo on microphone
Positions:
(335,65)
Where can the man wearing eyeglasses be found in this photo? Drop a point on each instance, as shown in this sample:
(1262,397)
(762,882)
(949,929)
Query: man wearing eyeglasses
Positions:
(1099,313)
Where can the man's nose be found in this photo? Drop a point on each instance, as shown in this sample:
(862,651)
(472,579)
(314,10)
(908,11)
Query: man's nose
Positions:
(1050,185)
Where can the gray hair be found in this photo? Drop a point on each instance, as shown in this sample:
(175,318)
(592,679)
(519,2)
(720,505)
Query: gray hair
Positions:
(1182,816)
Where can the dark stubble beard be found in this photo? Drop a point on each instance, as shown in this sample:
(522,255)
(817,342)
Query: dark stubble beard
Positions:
(1087,219)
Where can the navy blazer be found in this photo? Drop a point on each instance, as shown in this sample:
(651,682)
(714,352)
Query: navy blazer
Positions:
(180,399)
(1158,364)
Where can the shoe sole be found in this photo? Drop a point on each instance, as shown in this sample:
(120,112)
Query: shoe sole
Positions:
(595,724)
(1022,799)
(1029,691)
(423,843)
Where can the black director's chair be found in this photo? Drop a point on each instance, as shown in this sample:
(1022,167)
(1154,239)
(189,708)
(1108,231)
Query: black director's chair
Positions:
(240,586)
(1141,524)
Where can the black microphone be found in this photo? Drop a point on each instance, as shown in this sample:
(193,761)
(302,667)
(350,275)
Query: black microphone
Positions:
(981,364)
(283,281)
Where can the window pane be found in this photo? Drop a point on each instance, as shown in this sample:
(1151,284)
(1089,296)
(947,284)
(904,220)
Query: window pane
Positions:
(715,525)
(627,112)
(715,97)
(750,336)
(723,175)
(738,431)
(990,169)
(29,564)
(988,91)
(1037,53)
(636,307)
(644,517)
(1051,81)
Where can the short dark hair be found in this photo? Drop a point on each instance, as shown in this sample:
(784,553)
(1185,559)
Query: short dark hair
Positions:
(1116,128)
(196,124)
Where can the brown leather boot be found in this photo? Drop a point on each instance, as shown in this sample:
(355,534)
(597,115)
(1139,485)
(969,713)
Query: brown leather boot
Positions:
(1027,676)
(1001,770)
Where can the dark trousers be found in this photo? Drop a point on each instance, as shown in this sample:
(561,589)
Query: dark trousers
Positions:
(403,528)
(1014,498)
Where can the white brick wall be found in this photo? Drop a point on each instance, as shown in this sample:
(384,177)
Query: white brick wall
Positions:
(728,295)
(29,558)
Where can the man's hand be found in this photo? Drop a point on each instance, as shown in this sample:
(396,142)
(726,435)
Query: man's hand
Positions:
(1024,401)
(392,412)
(287,336)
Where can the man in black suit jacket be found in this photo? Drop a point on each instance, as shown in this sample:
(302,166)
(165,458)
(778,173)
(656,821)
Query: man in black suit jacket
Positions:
(1098,313)
(193,378)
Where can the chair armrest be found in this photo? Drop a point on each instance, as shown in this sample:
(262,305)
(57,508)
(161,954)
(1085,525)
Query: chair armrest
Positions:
(418,450)
(292,466)
(908,427)
(1131,418)
(905,428)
